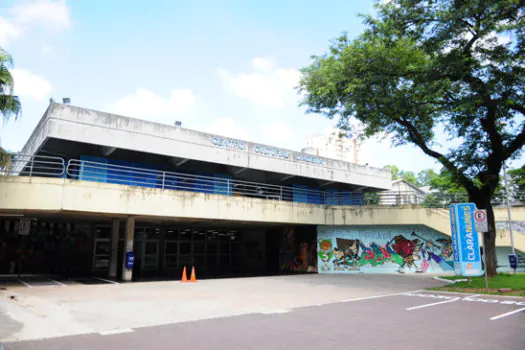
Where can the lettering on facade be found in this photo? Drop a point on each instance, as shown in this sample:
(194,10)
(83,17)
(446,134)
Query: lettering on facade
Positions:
(265,150)
(309,159)
(227,143)
(471,255)
(272,152)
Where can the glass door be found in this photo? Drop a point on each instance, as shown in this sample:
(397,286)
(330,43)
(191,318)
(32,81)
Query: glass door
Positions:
(150,254)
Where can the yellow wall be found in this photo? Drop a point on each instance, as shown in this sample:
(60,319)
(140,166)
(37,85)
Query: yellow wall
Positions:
(24,194)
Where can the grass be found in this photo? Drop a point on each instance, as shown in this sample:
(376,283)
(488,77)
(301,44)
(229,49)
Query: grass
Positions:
(515,282)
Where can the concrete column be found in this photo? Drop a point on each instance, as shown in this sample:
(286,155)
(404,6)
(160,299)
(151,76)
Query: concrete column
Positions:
(113,264)
(127,274)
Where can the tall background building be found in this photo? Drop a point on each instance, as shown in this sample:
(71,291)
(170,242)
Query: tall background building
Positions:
(336,144)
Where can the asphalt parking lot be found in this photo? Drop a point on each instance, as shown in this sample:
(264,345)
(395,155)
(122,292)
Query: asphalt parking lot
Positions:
(406,320)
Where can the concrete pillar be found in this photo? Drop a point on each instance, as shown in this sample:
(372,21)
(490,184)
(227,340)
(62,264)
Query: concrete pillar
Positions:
(127,274)
(113,264)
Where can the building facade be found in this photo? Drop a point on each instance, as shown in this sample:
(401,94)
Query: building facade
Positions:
(89,188)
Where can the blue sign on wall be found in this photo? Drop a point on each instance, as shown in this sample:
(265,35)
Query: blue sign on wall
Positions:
(130,259)
(455,246)
(465,242)
(513,261)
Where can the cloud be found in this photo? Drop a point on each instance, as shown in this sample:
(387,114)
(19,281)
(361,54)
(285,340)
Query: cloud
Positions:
(47,13)
(29,84)
(227,127)
(26,16)
(267,86)
(8,32)
(263,64)
(145,104)
(277,132)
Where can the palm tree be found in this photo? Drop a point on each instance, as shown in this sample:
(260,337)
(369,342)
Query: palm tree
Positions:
(9,105)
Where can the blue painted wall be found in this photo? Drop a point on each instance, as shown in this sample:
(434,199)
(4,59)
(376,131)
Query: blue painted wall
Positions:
(145,175)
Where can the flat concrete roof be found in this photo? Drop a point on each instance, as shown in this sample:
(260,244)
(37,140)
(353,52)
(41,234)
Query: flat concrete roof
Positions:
(76,124)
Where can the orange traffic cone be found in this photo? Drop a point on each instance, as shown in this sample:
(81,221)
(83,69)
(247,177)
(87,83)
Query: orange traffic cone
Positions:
(193,277)
(184,275)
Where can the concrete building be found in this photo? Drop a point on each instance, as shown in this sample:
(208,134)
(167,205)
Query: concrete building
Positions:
(89,187)
(87,147)
(402,193)
(336,144)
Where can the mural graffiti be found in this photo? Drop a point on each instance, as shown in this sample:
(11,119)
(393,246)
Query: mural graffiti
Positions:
(410,250)
(298,252)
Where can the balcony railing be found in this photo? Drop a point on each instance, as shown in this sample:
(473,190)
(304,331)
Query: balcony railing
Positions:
(47,166)
(34,165)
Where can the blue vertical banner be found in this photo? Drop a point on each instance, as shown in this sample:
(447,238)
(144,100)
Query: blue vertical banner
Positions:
(465,241)
(455,246)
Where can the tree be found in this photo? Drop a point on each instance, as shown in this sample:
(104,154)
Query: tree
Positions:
(428,67)
(516,179)
(425,177)
(444,190)
(9,104)
(394,170)
(397,174)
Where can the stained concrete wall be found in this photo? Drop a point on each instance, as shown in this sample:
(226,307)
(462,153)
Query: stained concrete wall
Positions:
(24,194)
(93,127)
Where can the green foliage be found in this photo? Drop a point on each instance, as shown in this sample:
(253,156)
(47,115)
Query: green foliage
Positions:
(422,66)
(425,177)
(516,179)
(9,104)
(394,170)
(502,280)
(397,174)
(372,198)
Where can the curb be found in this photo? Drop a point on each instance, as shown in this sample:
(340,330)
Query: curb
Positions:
(448,281)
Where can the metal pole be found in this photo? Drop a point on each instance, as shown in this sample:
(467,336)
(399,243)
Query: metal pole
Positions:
(163,178)
(31,167)
(485,261)
(508,210)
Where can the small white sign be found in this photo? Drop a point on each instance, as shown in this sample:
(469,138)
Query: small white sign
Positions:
(480,219)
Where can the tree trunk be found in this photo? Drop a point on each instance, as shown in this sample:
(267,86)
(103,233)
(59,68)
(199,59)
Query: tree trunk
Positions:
(490,239)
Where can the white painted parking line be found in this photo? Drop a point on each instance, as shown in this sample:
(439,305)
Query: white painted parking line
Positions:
(60,284)
(427,305)
(41,283)
(507,314)
(25,284)
(379,296)
(117,331)
(109,281)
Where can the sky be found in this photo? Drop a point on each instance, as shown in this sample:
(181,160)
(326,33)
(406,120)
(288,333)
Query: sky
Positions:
(224,67)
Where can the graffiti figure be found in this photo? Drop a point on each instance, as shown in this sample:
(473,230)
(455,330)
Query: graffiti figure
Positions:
(325,253)
(446,247)
(347,253)
(435,252)
(405,248)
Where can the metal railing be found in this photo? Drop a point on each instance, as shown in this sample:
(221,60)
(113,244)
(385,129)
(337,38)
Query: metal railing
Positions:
(34,165)
(48,166)
(168,180)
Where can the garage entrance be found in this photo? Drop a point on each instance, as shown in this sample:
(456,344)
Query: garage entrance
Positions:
(70,248)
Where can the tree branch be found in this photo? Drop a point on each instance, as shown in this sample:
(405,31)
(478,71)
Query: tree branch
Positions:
(515,144)
(418,139)
(518,108)
(489,126)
